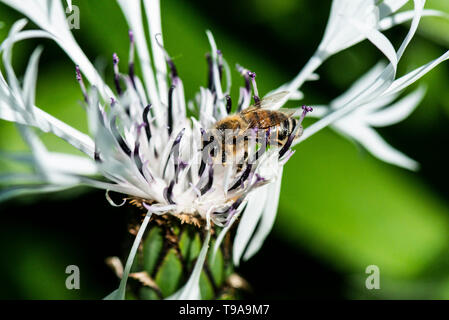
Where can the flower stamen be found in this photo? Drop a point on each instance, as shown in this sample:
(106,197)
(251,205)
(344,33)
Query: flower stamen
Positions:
(115,61)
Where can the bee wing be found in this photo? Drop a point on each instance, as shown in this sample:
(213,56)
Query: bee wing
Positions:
(273,99)
(267,102)
(289,112)
(250,109)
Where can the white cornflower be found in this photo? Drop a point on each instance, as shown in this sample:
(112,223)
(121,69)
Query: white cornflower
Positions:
(142,144)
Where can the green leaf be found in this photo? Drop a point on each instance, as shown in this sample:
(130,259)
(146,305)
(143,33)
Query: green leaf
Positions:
(194,250)
(216,266)
(151,249)
(169,273)
(206,289)
(148,294)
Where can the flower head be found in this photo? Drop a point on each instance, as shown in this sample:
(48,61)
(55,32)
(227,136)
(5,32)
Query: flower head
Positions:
(142,144)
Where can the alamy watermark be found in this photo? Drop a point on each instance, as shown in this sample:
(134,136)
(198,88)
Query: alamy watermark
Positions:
(73,17)
(72,282)
(373,280)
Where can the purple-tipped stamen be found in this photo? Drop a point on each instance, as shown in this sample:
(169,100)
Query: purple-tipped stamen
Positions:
(229,217)
(137,159)
(118,136)
(220,64)
(292,135)
(243,177)
(178,139)
(168,59)
(306,110)
(287,157)
(175,152)
(168,193)
(236,204)
(145,114)
(252,75)
(170,109)
(228,103)
(210,73)
(97,156)
(259,178)
(115,61)
(131,71)
(79,78)
(244,73)
(210,180)
(204,142)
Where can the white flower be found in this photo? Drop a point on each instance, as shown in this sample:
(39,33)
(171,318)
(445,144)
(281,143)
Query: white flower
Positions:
(142,144)
(352,21)
(379,112)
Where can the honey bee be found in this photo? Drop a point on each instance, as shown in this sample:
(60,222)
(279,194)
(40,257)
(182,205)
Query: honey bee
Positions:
(276,126)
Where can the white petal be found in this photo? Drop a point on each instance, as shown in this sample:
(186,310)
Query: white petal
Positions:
(133,14)
(377,146)
(419,5)
(268,217)
(29,82)
(405,16)
(222,234)
(71,164)
(378,39)
(318,111)
(248,222)
(217,82)
(414,75)
(367,94)
(69,5)
(296,95)
(76,138)
(376,104)
(12,192)
(367,78)
(339,33)
(397,111)
(388,7)
(153,13)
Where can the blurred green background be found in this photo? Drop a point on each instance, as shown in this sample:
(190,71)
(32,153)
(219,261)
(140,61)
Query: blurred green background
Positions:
(340,209)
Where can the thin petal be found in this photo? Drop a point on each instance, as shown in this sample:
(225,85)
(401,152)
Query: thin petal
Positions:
(378,39)
(419,5)
(69,5)
(413,76)
(29,82)
(378,147)
(267,220)
(369,77)
(133,14)
(388,7)
(248,222)
(397,111)
(153,13)
(405,16)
